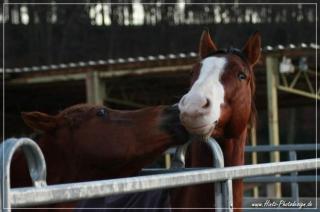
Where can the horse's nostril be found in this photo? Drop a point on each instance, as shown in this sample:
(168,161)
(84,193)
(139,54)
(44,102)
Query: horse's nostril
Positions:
(207,103)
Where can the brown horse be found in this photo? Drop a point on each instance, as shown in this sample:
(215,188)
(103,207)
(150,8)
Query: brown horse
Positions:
(219,104)
(87,142)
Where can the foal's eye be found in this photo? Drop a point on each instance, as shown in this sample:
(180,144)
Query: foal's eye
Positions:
(242,76)
(101,112)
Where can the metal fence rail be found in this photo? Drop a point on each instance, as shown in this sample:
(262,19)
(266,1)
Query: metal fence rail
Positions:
(43,194)
(283,148)
(292,150)
(283,179)
(76,191)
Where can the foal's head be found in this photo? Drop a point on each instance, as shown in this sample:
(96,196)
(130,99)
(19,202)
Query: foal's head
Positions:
(116,142)
(219,102)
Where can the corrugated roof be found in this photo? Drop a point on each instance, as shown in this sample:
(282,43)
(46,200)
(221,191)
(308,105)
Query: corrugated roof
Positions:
(267,49)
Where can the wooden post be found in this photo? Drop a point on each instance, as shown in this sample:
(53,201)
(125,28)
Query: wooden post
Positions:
(95,88)
(273,190)
(253,138)
(167,160)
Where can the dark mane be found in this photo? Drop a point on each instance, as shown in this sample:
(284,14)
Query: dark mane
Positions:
(230,50)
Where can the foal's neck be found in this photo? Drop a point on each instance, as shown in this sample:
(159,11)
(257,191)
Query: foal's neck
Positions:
(233,152)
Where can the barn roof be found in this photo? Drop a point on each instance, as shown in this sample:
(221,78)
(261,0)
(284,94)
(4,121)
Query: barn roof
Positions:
(151,58)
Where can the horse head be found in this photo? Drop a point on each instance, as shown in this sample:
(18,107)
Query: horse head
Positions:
(219,102)
(106,143)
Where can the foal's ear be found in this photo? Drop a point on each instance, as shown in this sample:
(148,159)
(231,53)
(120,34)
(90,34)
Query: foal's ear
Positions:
(206,45)
(252,49)
(38,121)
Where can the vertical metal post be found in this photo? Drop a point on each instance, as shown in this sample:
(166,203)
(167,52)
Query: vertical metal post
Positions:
(291,126)
(95,88)
(294,184)
(223,190)
(218,162)
(273,121)
(179,160)
(229,198)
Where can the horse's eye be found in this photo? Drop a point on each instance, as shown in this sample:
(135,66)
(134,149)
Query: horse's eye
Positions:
(101,112)
(242,76)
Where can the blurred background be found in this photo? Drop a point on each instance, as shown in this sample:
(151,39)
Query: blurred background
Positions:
(129,56)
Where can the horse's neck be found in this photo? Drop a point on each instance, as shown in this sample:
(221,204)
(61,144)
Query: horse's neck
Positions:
(20,176)
(201,156)
(55,159)
(233,149)
(233,152)
(145,148)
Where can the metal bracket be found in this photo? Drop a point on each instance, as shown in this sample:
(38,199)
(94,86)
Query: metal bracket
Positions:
(179,160)
(36,164)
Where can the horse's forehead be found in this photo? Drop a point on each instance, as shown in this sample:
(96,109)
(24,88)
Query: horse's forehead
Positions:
(236,61)
(221,64)
(212,68)
(214,62)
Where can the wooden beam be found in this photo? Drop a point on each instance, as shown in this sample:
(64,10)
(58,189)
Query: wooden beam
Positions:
(167,160)
(57,77)
(272,65)
(95,88)
(299,92)
(46,79)
(143,71)
(254,157)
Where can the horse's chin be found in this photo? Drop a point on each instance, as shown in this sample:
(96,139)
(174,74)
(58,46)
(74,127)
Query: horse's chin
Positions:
(203,131)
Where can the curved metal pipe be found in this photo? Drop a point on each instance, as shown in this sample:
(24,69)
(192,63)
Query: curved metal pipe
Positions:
(223,190)
(179,158)
(36,165)
(218,162)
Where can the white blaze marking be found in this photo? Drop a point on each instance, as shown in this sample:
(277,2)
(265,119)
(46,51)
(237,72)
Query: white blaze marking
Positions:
(209,85)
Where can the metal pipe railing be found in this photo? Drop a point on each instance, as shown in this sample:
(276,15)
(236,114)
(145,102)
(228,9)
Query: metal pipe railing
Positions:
(222,190)
(292,150)
(77,191)
(282,148)
(35,160)
(40,193)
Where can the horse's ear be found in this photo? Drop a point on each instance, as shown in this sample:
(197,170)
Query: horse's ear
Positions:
(39,122)
(206,45)
(252,49)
